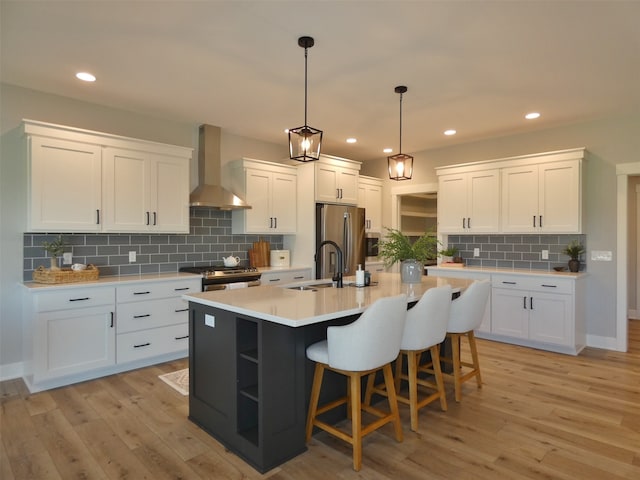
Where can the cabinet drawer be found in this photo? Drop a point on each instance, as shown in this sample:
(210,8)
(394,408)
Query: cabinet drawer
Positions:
(152,290)
(153,342)
(278,278)
(135,316)
(534,284)
(74,298)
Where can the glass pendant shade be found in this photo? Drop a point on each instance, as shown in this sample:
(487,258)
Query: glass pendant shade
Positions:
(305,141)
(400,166)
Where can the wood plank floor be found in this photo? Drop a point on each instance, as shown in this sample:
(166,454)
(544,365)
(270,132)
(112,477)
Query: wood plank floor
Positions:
(539,415)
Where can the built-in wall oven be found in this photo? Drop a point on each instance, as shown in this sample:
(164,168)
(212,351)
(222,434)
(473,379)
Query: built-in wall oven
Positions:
(371,248)
(216,277)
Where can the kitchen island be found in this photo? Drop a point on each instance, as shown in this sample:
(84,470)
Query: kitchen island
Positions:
(249,379)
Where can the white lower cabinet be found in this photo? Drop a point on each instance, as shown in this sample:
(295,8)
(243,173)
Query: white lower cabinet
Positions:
(281,277)
(77,332)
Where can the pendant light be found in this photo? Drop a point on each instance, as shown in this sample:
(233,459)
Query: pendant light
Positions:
(305,141)
(400,165)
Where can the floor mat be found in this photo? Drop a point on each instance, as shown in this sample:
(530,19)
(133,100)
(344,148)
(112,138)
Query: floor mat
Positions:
(177,380)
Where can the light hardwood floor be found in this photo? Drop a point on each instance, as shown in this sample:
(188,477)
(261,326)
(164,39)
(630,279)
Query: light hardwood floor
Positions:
(539,415)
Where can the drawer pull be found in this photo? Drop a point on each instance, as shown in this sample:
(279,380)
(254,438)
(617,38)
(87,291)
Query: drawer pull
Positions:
(509,283)
(300,277)
(549,286)
(141,293)
(183,310)
(142,345)
(78,299)
(274,279)
(142,316)
(181,338)
(181,288)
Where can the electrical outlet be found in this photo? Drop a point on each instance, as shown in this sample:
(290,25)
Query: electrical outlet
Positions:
(132,256)
(545,254)
(67,258)
(476,252)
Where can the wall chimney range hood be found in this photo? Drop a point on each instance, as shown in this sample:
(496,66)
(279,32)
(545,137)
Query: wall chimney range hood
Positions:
(209,193)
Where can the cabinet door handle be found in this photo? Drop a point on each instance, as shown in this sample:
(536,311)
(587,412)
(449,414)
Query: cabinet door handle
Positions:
(275,222)
(155,218)
(540,222)
(111,325)
(147,218)
(337,193)
(141,293)
(468,222)
(142,316)
(534,221)
(270,222)
(179,289)
(182,310)
(524,302)
(464,222)
(531,303)
(98,217)
(181,338)
(142,345)
(79,299)
(549,286)
(509,283)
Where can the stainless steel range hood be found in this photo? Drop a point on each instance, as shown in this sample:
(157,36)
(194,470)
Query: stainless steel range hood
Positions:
(209,192)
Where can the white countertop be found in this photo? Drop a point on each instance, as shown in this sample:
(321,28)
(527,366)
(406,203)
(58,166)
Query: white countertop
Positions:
(112,281)
(442,270)
(297,308)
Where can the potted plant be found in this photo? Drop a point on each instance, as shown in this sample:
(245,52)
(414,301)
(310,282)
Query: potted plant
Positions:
(55,249)
(574,249)
(450,254)
(396,246)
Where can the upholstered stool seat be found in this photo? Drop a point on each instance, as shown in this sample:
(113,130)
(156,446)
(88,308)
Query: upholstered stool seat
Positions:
(424,330)
(358,349)
(466,315)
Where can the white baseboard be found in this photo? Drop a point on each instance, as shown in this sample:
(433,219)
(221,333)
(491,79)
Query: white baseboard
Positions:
(634,314)
(10,371)
(607,343)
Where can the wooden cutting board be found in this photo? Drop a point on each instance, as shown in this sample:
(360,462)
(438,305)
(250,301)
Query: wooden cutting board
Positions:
(261,253)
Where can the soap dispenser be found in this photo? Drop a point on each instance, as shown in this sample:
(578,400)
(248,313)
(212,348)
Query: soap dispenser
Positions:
(360,276)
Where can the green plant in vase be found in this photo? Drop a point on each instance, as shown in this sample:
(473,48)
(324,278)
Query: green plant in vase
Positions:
(450,254)
(55,249)
(398,247)
(574,250)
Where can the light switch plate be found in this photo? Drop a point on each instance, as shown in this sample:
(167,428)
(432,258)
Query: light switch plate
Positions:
(132,256)
(601,255)
(67,258)
(476,252)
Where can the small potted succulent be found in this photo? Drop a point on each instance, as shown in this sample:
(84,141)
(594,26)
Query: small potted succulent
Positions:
(450,254)
(574,249)
(55,249)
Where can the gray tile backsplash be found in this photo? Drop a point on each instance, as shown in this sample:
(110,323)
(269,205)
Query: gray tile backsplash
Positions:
(516,251)
(208,241)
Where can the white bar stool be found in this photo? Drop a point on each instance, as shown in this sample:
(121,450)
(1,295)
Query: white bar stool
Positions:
(355,350)
(466,315)
(424,329)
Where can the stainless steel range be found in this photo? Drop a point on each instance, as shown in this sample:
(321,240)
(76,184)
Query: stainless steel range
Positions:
(217,277)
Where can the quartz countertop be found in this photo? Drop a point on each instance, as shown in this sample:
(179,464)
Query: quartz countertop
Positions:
(442,270)
(297,308)
(112,280)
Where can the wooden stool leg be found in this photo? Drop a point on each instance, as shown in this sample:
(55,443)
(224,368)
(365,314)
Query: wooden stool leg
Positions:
(435,359)
(474,355)
(412,370)
(369,391)
(315,397)
(457,368)
(398,376)
(356,421)
(393,400)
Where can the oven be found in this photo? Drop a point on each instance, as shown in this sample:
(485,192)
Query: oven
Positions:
(371,248)
(216,277)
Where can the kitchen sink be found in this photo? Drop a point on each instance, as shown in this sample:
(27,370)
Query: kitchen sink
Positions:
(304,287)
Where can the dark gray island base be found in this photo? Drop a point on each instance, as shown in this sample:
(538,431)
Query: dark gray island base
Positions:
(249,382)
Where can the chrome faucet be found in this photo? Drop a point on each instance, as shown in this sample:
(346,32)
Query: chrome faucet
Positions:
(337,277)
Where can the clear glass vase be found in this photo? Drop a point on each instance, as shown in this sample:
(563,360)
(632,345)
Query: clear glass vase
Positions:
(411,271)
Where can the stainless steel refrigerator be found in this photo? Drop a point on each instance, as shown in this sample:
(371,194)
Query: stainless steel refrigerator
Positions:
(343,225)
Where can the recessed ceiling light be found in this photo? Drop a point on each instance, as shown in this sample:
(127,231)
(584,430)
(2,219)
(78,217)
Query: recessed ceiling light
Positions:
(388,150)
(352,140)
(85,77)
(532,115)
(451,131)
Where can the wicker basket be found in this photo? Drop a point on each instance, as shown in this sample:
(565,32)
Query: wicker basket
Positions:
(65,275)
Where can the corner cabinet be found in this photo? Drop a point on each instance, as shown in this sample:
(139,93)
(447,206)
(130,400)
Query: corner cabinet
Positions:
(336,180)
(370,198)
(85,181)
(271,191)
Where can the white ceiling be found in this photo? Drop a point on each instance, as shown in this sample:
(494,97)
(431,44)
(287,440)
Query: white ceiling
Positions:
(476,66)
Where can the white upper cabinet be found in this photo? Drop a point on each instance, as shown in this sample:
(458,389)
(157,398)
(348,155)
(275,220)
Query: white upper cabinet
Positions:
(336,180)
(370,198)
(543,198)
(83,181)
(532,193)
(469,202)
(271,191)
